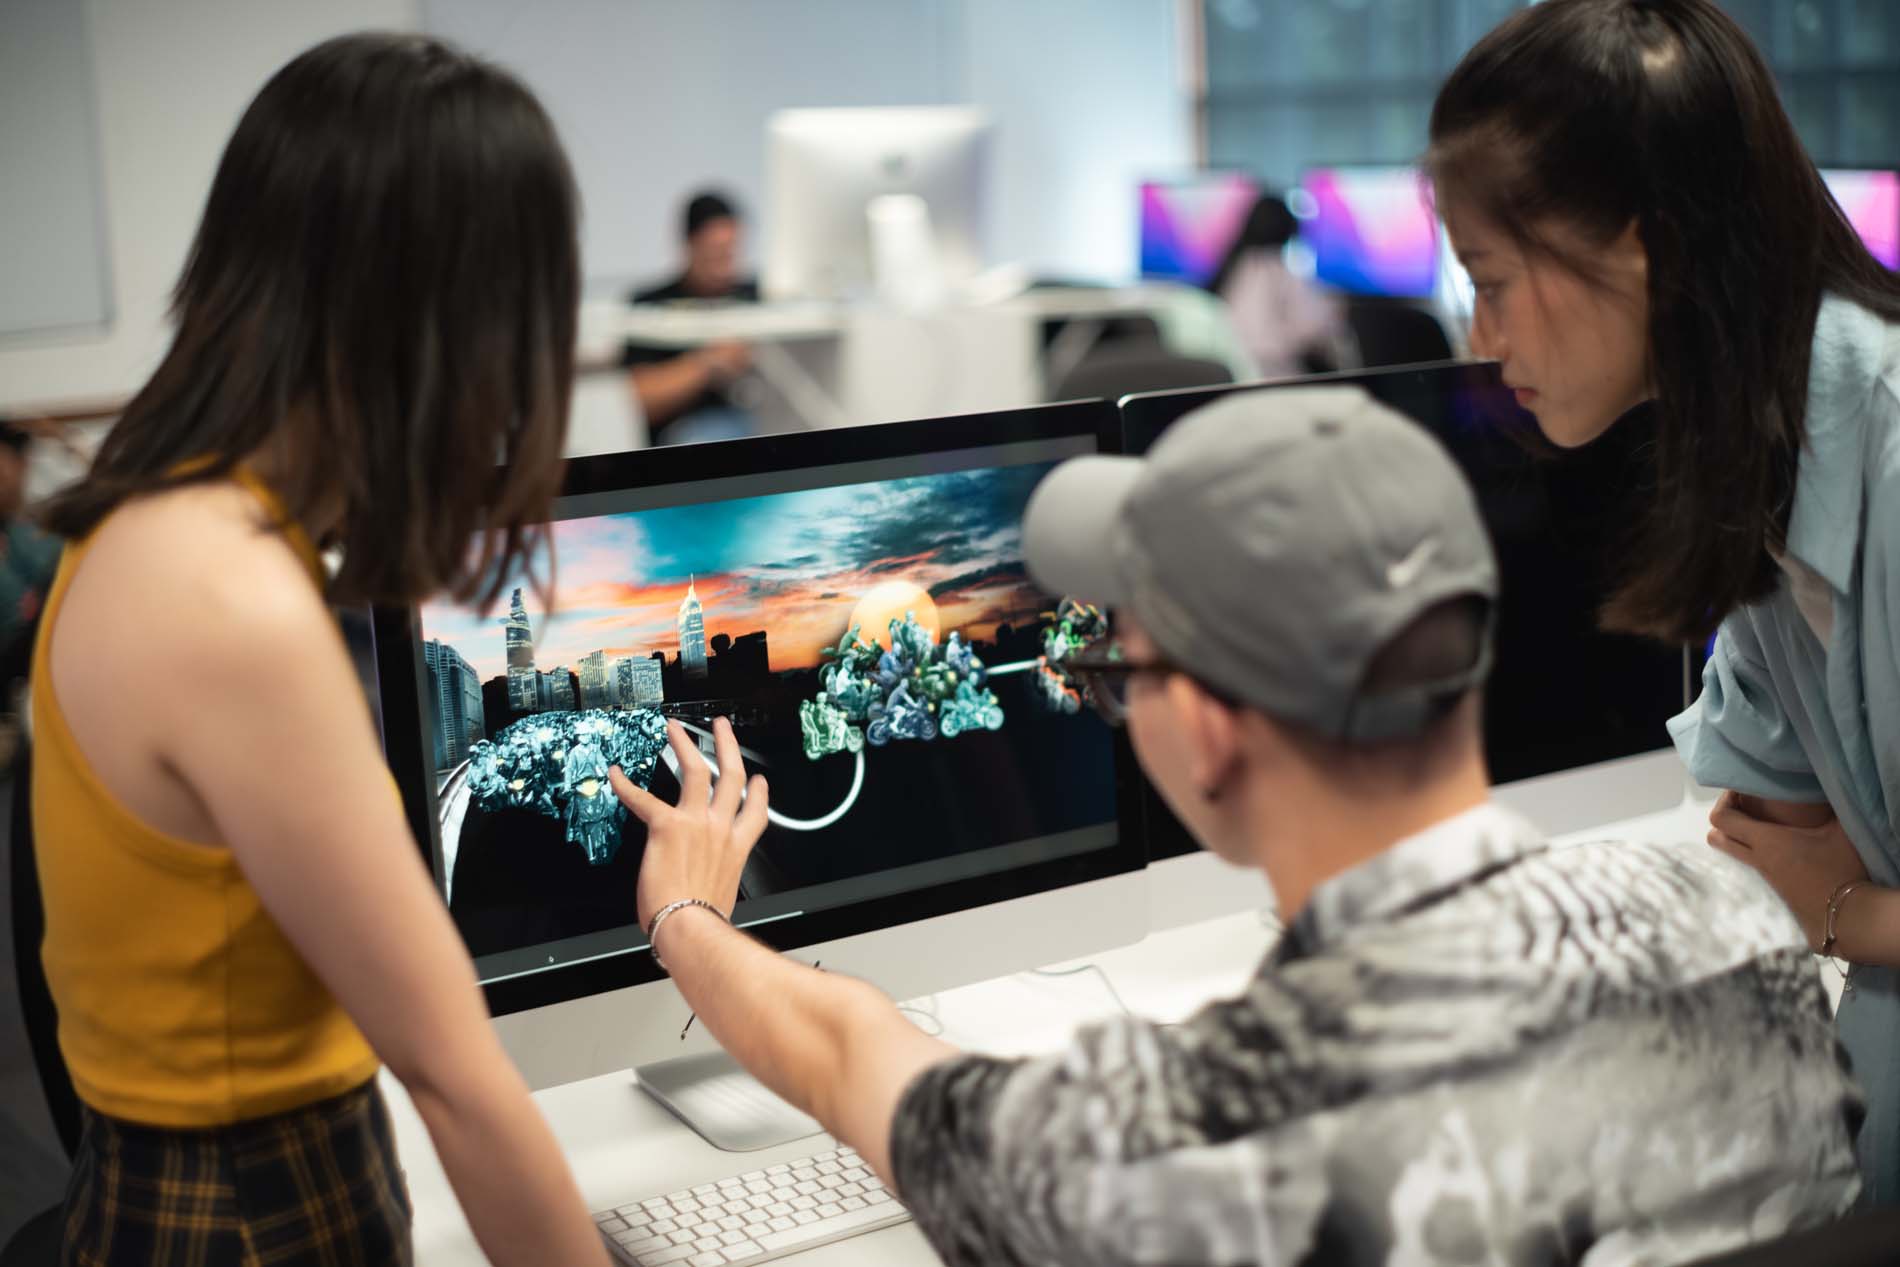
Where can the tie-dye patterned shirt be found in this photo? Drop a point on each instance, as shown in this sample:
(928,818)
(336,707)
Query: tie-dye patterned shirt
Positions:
(1472,1049)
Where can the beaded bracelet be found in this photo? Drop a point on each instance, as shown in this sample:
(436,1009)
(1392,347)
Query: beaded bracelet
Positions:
(659,917)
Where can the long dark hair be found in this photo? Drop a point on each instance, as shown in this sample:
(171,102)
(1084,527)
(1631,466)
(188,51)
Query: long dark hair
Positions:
(1270,225)
(382,296)
(1599,114)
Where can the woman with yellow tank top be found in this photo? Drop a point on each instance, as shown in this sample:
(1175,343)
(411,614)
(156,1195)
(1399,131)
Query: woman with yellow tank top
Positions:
(239,929)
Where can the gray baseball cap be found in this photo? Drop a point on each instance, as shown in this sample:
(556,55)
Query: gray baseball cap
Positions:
(1272,544)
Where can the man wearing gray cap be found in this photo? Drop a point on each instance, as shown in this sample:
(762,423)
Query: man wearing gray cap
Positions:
(1469,1047)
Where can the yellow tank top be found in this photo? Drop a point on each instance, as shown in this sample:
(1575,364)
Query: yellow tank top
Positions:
(180,1001)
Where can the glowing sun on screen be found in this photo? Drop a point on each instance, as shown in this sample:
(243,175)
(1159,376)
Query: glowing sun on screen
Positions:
(881,604)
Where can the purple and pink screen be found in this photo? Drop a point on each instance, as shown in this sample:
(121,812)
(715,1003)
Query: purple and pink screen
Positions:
(1871,200)
(1371,230)
(1187,226)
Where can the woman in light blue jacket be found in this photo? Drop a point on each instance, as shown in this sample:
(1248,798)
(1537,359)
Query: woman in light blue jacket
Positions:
(1644,230)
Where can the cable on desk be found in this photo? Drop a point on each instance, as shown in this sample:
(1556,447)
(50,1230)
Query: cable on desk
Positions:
(914,1010)
(1108,985)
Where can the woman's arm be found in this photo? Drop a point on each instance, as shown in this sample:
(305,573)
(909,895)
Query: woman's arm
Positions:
(277,742)
(1802,851)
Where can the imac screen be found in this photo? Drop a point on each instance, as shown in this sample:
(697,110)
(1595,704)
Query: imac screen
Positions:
(1871,200)
(1371,230)
(1187,226)
(871,633)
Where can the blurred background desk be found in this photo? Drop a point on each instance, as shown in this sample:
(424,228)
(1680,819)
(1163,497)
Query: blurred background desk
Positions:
(832,364)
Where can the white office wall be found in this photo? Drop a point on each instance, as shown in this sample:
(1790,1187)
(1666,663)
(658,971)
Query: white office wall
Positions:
(656,98)
(1089,100)
(171,80)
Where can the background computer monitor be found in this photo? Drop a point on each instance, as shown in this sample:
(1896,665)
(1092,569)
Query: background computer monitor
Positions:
(1871,199)
(1187,225)
(1371,230)
(707,581)
(1574,717)
(824,168)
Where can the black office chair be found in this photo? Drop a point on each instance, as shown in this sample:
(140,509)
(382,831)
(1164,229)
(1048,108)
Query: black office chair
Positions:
(1395,332)
(1124,366)
(1868,1239)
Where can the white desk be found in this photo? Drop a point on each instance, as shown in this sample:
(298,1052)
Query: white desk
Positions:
(834,364)
(624,1147)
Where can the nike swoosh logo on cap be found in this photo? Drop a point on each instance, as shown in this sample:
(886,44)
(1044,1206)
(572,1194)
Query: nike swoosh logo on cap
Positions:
(1406,570)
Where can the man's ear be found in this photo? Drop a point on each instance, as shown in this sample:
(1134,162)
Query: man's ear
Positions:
(1211,732)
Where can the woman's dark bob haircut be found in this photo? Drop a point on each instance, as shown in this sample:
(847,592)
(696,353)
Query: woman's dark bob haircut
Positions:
(1595,115)
(379,308)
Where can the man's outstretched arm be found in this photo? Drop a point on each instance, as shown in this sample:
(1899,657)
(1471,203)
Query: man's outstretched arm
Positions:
(831,1045)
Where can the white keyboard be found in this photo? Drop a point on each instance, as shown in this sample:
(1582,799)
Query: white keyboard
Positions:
(754,1217)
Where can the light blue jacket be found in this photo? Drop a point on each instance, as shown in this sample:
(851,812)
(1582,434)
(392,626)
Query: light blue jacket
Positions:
(1783,716)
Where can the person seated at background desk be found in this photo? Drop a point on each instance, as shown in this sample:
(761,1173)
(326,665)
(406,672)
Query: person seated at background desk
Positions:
(1468,1047)
(1286,323)
(683,393)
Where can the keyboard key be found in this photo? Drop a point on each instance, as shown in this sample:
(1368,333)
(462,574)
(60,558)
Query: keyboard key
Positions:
(681,1237)
(854,1203)
(829,1210)
(666,1257)
(804,1172)
(830,1168)
(805,1216)
(841,1225)
(778,1170)
(806,1188)
(848,1190)
(704,1189)
(613,1223)
(783,1225)
(660,1227)
(802,1203)
(708,1242)
(707,1260)
(778,1210)
(877,1196)
(731,1223)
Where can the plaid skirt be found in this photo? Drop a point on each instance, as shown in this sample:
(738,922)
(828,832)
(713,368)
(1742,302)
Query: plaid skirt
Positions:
(318,1185)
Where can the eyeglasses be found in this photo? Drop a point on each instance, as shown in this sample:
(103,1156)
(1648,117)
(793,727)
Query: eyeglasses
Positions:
(1104,672)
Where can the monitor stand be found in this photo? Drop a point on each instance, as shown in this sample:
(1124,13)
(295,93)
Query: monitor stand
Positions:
(726,1106)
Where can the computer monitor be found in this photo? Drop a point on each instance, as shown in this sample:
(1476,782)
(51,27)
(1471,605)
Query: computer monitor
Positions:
(940,814)
(825,168)
(1187,225)
(1371,230)
(1574,717)
(1870,197)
